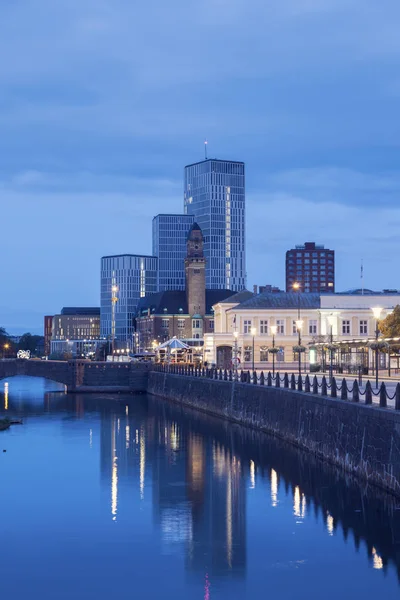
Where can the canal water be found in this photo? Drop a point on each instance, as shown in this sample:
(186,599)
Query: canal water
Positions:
(130,497)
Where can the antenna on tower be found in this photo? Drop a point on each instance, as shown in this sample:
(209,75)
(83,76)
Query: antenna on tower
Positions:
(205,148)
(362,277)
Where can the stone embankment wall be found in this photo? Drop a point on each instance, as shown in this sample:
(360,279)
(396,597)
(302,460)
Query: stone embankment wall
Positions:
(364,440)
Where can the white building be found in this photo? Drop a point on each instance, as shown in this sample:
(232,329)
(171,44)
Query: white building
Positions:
(345,318)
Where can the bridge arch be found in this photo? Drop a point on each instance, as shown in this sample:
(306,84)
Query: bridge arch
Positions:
(57,371)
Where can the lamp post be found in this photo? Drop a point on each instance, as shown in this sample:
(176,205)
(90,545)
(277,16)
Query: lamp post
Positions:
(253,333)
(331,320)
(273,331)
(235,355)
(377,313)
(114,300)
(299,326)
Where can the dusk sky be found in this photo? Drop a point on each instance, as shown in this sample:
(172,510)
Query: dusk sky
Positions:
(103,102)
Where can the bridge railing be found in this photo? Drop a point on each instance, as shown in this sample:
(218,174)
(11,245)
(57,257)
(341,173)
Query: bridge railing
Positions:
(353,391)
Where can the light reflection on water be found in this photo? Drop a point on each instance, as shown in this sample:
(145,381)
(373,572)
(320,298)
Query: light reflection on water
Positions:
(129,495)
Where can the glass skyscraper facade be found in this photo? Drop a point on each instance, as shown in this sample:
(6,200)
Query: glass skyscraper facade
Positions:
(214,193)
(133,277)
(169,245)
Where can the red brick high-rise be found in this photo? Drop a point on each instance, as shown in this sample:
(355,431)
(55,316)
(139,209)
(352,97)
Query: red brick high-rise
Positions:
(312,267)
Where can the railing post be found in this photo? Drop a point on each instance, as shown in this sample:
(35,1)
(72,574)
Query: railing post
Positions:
(230,375)
(324,387)
(269,379)
(368,393)
(343,391)
(333,388)
(216,373)
(241,376)
(277,381)
(356,391)
(382,396)
(262,378)
(300,384)
(315,385)
(248,378)
(220,374)
(293,382)
(225,375)
(254,378)
(397,397)
(307,384)
(286,381)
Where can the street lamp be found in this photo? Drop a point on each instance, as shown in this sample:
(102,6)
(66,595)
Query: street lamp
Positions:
(299,326)
(331,320)
(253,333)
(274,329)
(235,355)
(6,347)
(377,313)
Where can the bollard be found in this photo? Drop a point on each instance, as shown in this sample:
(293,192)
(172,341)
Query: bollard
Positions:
(397,397)
(293,382)
(333,388)
(307,384)
(300,383)
(254,378)
(343,391)
(315,385)
(262,378)
(324,387)
(382,396)
(277,381)
(368,393)
(286,381)
(269,378)
(356,391)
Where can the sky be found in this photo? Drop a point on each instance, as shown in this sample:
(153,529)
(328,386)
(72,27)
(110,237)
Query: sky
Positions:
(103,103)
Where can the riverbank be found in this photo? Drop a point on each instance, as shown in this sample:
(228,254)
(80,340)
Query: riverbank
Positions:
(358,438)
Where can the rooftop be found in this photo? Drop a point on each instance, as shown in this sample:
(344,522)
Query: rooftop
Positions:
(236,162)
(280,300)
(91,311)
(238,297)
(175,302)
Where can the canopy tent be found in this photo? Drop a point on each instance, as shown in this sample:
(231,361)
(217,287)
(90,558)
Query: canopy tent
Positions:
(173,344)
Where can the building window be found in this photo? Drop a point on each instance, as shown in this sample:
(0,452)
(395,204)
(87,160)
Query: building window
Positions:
(211,322)
(345,327)
(165,323)
(294,330)
(280,355)
(264,327)
(247,353)
(181,323)
(280,326)
(264,354)
(196,324)
(312,327)
(247,326)
(363,327)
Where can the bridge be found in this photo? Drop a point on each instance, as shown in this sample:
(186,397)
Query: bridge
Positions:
(82,375)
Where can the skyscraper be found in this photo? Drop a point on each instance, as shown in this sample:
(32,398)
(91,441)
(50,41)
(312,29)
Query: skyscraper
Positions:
(312,267)
(214,193)
(132,277)
(169,245)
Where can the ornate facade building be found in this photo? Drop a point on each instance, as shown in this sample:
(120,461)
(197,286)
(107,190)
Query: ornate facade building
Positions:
(185,314)
(265,320)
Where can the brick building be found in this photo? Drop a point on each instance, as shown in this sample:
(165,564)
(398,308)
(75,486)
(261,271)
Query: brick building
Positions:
(312,267)
(186,314)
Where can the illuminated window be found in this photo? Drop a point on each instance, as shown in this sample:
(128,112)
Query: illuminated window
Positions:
(264,354)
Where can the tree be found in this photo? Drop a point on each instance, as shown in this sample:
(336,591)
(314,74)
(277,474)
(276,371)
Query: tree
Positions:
(29,342)
(390,326)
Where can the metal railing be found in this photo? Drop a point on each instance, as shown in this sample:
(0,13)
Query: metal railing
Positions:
(307,384)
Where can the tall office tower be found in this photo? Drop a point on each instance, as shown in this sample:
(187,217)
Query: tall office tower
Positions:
(169,245)
(124,280)
(312,266)
(215,194)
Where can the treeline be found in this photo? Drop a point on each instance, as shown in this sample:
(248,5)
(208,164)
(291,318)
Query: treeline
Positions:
(27,341)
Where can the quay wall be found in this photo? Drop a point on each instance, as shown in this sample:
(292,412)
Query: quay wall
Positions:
(361,439)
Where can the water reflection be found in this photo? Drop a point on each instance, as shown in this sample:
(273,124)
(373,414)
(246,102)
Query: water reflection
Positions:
(200,475)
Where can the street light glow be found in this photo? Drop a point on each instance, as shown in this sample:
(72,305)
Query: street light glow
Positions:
(296,285)
(273,329)
(377,310)
(299,324)
(235,334)
(253,331)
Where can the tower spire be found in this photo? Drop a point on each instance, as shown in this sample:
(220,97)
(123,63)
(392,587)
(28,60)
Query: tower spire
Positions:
(205,148)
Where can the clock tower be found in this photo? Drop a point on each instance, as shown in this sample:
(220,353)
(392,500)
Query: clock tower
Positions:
(195,271)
